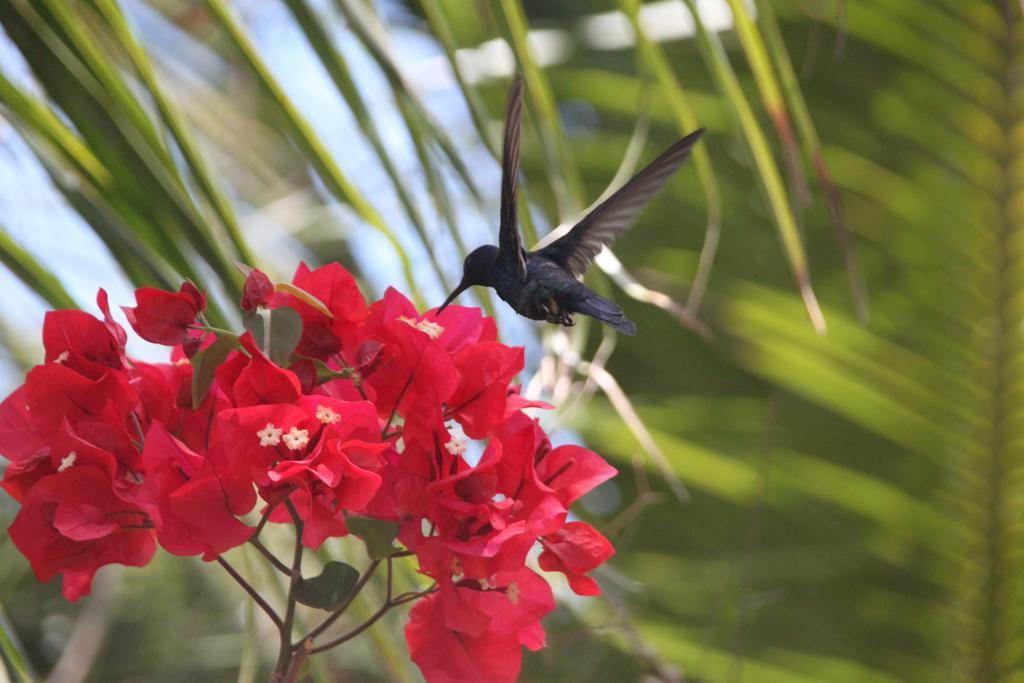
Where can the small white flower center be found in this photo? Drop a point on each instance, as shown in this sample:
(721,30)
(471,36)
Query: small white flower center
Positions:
(457,445)
(429,327)
(512,591)
(327,415)
(63,357)
(296,438)
(485,584)
(68,460)
(432,329)
(270,435)
(498,497)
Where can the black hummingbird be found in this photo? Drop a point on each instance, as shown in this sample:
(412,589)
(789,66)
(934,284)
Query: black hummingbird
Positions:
(543,284)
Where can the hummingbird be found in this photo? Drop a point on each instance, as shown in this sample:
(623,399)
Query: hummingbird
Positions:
(543,284)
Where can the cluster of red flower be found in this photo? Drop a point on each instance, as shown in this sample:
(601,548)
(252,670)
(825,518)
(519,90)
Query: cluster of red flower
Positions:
(339,408)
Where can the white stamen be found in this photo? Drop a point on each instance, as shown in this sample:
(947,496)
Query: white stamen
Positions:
(512,591)
(270,435)
(68,460)
(429,327)
(432,329)
(326,415)
(457,445)
(485,584)
(456,570)
(63,357)
(296,438)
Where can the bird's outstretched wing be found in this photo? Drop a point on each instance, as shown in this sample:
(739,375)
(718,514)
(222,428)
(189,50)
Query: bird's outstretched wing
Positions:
(510,242)
(601,227)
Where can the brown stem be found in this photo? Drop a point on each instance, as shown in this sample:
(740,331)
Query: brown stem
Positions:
(265,518)
(388,604)
(257,598)
(412,595)
(298,659)
(271,558)
(284,655)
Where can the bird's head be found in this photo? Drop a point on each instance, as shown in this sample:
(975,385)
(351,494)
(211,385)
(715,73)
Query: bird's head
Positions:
(477,269)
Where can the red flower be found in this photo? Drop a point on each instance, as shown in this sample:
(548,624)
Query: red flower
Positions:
(55,393)
(574,550)
(115,329)
(419,376)
(260,381)
(483,521)
(257,291)
(73,522)
(462,327)
(358,423)
(513,601)
(485,370)
(336,289)
(19,439)
(247,442)
(446,656)
(186,500)
(504,602)
(339,473)
(80,341)
(164,317)
(571,471)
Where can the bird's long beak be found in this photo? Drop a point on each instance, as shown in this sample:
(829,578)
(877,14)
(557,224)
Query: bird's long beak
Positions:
(463,286)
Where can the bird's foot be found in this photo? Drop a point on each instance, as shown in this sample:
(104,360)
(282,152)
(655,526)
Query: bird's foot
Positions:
(554,313)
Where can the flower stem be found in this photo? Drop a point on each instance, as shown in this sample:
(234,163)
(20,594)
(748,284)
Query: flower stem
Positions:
(284,655)
(298,659)
(271,558)
(347,367)
(381,611)
(211,328)
(257,598)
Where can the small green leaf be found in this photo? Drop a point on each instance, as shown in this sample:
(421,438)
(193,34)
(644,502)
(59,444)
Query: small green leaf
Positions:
(14,664)
(330,589)
(255,323)
(205,364)
(277,331)
(377,534)
(325,373)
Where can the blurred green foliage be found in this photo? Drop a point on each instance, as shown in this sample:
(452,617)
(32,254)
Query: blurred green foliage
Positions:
(856,497)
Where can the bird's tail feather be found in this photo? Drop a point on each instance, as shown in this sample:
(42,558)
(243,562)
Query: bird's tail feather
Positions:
(608,312)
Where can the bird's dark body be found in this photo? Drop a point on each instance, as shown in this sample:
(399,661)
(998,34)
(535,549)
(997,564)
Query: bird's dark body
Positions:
(543,284)
(552,294)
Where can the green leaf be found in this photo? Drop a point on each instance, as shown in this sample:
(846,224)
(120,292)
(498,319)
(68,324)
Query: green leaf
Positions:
(277,331)
(15,665)
(32,273)
(205,364)
(300,130)
(325,373)
(330,588)
(377,534)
